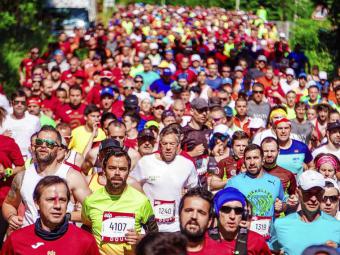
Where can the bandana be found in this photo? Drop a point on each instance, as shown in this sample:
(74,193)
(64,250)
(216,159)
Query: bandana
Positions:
(327,159)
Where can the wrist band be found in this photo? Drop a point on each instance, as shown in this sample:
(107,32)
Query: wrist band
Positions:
(8,172)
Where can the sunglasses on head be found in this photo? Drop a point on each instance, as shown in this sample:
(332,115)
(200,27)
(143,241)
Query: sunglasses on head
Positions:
(17,102)
(228,209)
(49,143)
(332,199)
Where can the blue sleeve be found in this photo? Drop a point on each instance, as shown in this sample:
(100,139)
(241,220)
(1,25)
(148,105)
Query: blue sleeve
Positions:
(282,195)
(229,183)
(153,86)
(308,155)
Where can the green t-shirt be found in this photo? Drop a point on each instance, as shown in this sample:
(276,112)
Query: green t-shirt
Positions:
(100,204)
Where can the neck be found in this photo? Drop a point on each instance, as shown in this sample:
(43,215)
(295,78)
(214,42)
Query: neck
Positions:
(257,175)
(113,191)
(285,144)
(195,246)
(195,124)
(48,168)
(307,216)
(88,128)
(332,147)
(300,120)
(228,236)
(48,227)
(132,133)
(241,118)
(269,167)
(18,116)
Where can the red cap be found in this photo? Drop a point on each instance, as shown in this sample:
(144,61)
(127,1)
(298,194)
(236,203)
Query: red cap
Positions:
(106,74)
(34,100)
(282,120)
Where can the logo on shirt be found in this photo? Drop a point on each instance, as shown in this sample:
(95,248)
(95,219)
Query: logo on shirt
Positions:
(261,200)
(37,245)
(51,253)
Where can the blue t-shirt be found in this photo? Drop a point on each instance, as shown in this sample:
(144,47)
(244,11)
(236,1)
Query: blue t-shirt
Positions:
(293,235)
(260,192)
(215,83)
(159,86)
(294,157)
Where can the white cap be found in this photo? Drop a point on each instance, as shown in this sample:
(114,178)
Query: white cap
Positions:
(256,123)
(195,57)
(290,71)
(311,83)
(310,179)
(221,129)
(323,75)
(282,35)
(153,46)
(335,184)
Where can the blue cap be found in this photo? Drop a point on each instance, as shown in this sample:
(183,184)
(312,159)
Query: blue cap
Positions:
(167,72)
(228,111)
(228,195)
(107,91)
(58,52)
(302,75)
(183,76)
(227,81)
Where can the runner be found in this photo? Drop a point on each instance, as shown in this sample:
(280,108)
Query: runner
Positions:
(117,212)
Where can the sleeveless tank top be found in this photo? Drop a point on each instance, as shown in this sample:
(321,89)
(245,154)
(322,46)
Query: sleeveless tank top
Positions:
(30,180)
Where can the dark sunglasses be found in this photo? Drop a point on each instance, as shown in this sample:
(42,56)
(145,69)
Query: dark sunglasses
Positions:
(118,137)
(159,107)
(258,91)
(138,81)
(333,199)
(221,137)
(228,209)
(128,87)
(203,110)
(226,71)
(49,143)
(17,102)
(223,99)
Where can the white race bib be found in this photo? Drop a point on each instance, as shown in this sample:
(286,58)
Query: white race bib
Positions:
(164,210)
(261,225)
(115,226)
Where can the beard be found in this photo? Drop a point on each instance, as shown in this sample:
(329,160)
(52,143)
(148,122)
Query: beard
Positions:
(192,236)
(310,215)
(46,159)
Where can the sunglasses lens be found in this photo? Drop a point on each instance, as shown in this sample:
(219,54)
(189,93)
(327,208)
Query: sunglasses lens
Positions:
(227,209)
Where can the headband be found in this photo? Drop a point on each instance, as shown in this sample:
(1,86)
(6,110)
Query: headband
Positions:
(282,120)
(327,159)
(279,111)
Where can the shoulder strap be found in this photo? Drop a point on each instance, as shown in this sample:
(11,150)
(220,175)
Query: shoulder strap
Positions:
(241,242)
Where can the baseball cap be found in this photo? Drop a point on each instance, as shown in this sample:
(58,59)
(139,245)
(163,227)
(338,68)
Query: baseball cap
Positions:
(311,83)
(256,123)
(107,91)
(262,58)
(290,71)
(195,57)
(58,52)
(302,75)
(199,103)
(163,64)
(282,35)
(333,125)
(317,249)
(221,129)
(227,81)
(167,113)
(238,68)
(333,182)
(34,100)
(323,75)
(131,101)
(167,72)
(153,46)
(227,195)
(146,133)
(109,143)
(228,111)
(310,179)
(158,102)
(105,74)
(151,123)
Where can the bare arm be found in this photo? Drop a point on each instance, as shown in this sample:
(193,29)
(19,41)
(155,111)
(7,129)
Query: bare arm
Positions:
(135,184)
(89,161)
(217,183)
(12,202)
(134,155)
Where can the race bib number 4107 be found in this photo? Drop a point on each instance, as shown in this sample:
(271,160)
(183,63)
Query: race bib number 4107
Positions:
(115,225)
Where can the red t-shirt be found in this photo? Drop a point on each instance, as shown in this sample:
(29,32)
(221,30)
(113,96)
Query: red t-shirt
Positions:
(228,167)
(28,64)
(93,97)
(9,155)
(71,115)
(287,178)
(75,241)
(210,247)
(269,92)
(131,143)
(256,245)
(51,103)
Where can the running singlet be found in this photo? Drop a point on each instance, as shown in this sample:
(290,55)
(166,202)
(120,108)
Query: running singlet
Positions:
(293,158)
(111,217)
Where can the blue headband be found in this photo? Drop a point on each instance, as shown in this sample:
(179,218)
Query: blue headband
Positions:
(227,195)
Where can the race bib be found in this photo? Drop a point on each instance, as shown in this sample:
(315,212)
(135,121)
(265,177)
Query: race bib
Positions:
(261,225)
(115,226)
(164,211)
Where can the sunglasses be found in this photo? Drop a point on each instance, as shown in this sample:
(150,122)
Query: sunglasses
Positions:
(258,91)
(203,110)
(223,99)
(49,143)
(228,209)
(333,199)
(225,71)
(17,102)
(121,137)
(217,119)
(128,88)
(160,107)
(138,81)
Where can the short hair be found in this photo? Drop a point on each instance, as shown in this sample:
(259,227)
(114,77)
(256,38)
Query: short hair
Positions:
(169,131)
(239,135)
(60,89)
(48,128)
(18,93)
(107,116)
(49,181)
(90,109)
(218,109)
(241,99)
(63,125)
(201,193)
(257,84)
(253,147)
(336,89)
(118,154)
(291,92)
(76,87)
(270,140)
(117,123)
(333,111)
(133,116)
(300,104)
(162,243)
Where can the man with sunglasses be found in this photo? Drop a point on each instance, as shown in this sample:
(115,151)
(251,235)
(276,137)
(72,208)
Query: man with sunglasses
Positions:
(261,189)
(20,125)
(146,142)
(47,151)
(330,199)
(257,107)
(309,226)
(230,208)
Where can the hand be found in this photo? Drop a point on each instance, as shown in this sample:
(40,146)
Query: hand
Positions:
(331,244)
(292,200)
(15,222)
(276,94)
(132,237)
(278,205)
(218,149)
(197,151)
(8,133)
(95,130)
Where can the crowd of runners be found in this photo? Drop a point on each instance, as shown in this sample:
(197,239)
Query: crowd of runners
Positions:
(171,130)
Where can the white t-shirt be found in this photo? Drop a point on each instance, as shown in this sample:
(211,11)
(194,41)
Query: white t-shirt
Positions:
(22,130)
(324,149)
(288,87)
(163,184)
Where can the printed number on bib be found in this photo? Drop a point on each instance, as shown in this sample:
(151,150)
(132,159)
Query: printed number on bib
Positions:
(115,225)
(164,210)
(261,225)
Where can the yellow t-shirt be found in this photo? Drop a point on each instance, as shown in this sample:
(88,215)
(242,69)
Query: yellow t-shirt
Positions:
(81,137)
